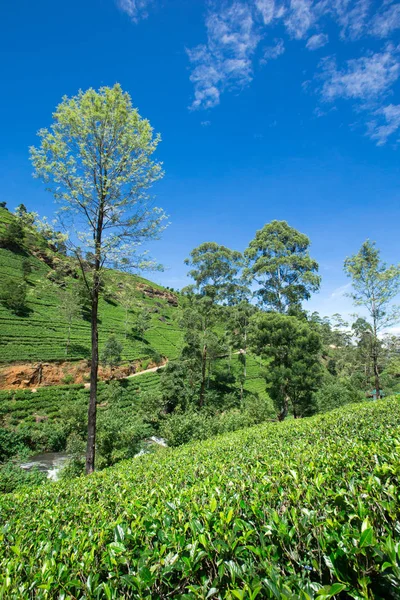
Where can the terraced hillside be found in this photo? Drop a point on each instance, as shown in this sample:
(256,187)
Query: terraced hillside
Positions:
(41,332)
(22,406)
(305,509)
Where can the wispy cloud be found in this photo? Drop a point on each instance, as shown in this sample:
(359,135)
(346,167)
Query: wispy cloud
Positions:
(385,123)
(386,21)
(235,28)
(317,41)
(136,9)
(300,18)
(341,291)
(364,79)
(351,15)
(225,61)
(273,52)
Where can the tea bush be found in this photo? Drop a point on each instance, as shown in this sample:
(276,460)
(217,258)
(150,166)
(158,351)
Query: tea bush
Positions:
(304,509)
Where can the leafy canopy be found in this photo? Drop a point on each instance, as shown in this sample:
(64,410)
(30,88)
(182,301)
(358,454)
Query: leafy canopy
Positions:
(279,262)
(97,161)
(375,285)
(215,270)
(293,348)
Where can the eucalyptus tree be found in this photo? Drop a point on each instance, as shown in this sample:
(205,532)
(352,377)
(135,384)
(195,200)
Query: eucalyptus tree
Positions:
(97,159)
(279,262)
(215,270)
(375,286)
(239,324)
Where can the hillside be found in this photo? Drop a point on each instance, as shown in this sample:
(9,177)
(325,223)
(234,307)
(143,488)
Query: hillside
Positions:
(274,511)
(40,334)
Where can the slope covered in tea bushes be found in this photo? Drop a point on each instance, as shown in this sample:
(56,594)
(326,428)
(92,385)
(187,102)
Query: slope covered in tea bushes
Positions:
(300,509)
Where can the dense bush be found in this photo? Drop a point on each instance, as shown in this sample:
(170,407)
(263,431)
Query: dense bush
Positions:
(11,443)
(12,477)
(13,296)
(334,394)
(298,510)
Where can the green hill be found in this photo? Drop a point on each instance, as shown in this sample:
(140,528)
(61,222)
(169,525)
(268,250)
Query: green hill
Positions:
(40,334)
(301,509)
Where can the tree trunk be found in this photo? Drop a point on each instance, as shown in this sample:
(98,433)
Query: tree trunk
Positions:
(203,375)
(285,409)
(375,354)
(68,338)
(376,374)
(94,367)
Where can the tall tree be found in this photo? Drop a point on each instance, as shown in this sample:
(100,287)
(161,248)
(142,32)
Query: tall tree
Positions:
(97,160)
(375,285)
(279,262)
(293,347)
(216,273)
(215,270)
(112,353)
(239,323)
(69,308)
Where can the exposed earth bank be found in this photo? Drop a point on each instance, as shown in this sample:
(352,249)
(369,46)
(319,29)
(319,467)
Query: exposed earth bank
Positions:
(32,375)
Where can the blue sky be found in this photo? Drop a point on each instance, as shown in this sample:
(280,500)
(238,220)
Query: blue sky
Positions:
(267,110)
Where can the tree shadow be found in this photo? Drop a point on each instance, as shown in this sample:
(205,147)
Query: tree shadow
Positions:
(80,350)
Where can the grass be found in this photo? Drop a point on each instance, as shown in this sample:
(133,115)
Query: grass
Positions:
(302,509)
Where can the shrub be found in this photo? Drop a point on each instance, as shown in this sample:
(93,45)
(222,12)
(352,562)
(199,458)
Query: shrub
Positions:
(13,236)
(13,477)
(13,296)
(305,509)
(26,268)
(334,394)
(11,443)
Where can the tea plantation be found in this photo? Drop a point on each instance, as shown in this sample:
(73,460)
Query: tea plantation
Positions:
(40,333)
(301,509)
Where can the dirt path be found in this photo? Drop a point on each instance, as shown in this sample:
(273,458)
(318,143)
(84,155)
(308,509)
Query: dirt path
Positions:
(152,370)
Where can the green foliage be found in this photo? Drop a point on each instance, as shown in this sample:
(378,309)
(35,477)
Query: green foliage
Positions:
(26,268)
(112,352)
(41,332)
(279,262)
(12,477)
(11,443)
(215,270)
(13,296)
(334,394)
(374,286)
(13,235)
(260,513)
(96,159)
(294,371)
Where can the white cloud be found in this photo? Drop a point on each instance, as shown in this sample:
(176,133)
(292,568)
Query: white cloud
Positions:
(269,10)
(391,123)
(317,41)
(136,9)
(300,18)
(225,62)
(386,21)
(205,123)
(352,16)
(235,28)
(341,291)
(273,52)
(365,78)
